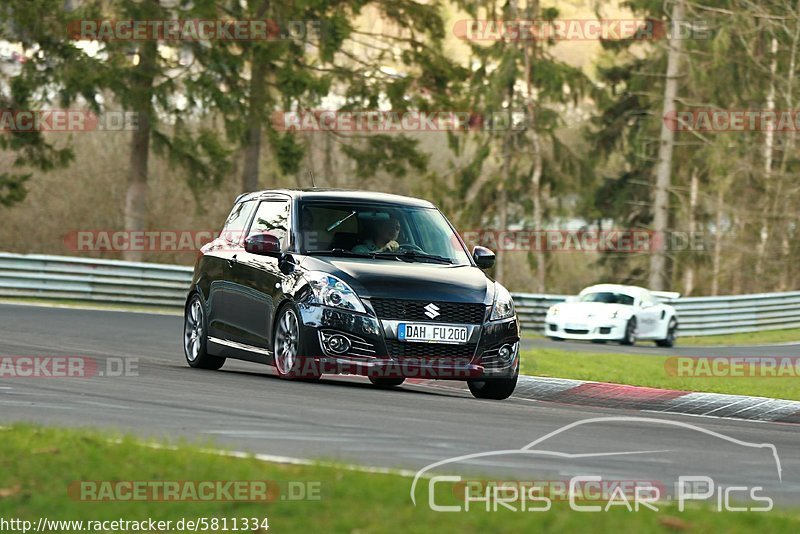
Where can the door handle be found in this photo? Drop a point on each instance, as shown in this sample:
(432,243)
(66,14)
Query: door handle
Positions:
(232,261)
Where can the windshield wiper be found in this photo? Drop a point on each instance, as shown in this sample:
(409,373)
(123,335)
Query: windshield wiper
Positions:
(412,255)
(338,252)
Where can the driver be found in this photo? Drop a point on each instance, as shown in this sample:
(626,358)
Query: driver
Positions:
(384,239)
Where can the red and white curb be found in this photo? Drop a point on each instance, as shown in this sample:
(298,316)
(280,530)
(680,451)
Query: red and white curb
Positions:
(605,395)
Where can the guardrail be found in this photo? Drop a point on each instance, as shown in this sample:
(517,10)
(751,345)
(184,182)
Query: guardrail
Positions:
(152,284)
(90,279)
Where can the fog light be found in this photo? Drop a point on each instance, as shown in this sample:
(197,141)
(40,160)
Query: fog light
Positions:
(338,344)
(505,352)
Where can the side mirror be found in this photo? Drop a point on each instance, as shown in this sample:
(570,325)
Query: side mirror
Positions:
(263,245)
(484,258)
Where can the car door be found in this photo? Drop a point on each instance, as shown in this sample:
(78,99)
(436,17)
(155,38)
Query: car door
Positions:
(649,316)
(218,257)
(255,286)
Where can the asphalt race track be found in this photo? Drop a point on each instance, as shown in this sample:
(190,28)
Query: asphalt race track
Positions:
(245,407)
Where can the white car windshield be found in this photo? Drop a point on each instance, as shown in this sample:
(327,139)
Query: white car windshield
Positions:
(607,297)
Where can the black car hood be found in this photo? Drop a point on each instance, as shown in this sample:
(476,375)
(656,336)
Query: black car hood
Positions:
(379,278)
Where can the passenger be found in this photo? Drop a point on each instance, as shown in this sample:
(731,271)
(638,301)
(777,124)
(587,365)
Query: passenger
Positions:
(384,239)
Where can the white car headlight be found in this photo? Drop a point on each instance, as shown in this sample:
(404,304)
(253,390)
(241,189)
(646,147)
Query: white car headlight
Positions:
(614,314)
(503,306)
(553,310)
(331,291)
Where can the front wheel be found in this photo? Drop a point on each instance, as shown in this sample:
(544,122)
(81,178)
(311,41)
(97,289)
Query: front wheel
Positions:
(289,349)
(493,388)
(630,332)
(672,335)
(195,337)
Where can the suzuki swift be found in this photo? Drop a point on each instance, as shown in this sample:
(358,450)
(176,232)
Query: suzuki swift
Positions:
(351,282)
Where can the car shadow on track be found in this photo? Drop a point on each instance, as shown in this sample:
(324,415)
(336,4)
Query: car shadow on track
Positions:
(341,381)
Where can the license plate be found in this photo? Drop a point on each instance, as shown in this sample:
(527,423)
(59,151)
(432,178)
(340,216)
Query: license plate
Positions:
(430,333)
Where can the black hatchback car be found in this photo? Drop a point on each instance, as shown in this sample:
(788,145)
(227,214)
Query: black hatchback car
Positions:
(351,282)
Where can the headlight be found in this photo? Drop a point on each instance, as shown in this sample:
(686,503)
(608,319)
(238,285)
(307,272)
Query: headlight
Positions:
(331,291)
(553,311)
(614,314)
(503,306)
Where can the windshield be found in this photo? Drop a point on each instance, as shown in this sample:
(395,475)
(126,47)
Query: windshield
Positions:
(380,232)
(608,298)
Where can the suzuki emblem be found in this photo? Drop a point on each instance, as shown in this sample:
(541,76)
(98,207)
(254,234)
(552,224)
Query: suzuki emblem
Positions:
(432,310)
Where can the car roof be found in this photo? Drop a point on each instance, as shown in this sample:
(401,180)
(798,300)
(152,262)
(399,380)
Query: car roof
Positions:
(338,195)
(633,291)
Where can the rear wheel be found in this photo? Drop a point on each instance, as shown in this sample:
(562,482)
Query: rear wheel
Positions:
(672,334)
(195,337)
(289,349)
(386,382)
(630,332)
(493,388)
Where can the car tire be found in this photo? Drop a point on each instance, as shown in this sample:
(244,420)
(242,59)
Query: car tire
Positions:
(493,388)
(672,330)
(386,382)
(630,332)
(289,350)
(195,337)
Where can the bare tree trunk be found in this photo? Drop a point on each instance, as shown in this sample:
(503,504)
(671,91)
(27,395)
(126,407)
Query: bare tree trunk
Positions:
(502,216)
(255,112)
(330,174)
(715,272)
(255,115)
(136,195)
(769,144)
(536,154)
(658,260)
(688,273)
(738,265)
(788,148)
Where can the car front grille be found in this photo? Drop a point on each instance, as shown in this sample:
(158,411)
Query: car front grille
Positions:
(575,331)
(430,351)
(414,310)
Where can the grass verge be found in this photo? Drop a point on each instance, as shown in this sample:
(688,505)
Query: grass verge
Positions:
(790,335)
(39,464)
(651,371)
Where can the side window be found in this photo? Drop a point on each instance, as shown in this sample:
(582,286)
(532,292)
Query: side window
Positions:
(272,217)
(237,221)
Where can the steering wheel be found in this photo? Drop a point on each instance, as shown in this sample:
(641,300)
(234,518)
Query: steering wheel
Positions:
(411,246)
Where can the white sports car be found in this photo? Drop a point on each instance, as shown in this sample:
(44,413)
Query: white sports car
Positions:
(611,312)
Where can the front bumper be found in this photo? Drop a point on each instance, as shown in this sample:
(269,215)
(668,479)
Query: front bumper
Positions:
(375,350)
(585,329)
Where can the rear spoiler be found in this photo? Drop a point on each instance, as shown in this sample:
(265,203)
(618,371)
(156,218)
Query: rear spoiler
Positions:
(666,295)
